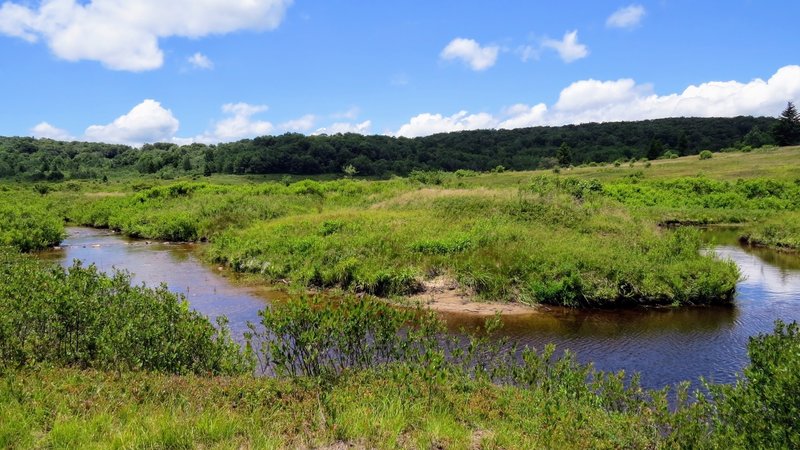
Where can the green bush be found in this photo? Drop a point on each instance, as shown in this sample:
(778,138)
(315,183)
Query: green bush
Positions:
(706,154)
(761,409)
(80,317)
(27,223)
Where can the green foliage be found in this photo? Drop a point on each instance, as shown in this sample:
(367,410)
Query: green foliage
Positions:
(564,155)
(431,177)
(80,317)
(555,241)
(352,370)
(780,231)
(706,154)
(480,150)
(701,192)
(669,154)
(761,409)
(27,223)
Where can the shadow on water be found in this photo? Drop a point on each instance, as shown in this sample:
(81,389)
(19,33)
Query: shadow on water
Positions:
(666,345)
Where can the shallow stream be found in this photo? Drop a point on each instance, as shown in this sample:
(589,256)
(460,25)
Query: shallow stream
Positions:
(666,345)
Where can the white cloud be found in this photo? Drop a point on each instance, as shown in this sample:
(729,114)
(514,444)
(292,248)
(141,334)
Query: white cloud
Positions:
(200,61)
(627,17)
(146,122)
(470,52)
(304,123)
(45,130)
(625,100)
(124,34)
(425,124)
(588,94)
(568,48)
(238,125)
(346,127)
(522,115)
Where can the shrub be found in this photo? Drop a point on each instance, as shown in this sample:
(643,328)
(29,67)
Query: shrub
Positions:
(706,154)
(761,409)
(81,317)
(28,225)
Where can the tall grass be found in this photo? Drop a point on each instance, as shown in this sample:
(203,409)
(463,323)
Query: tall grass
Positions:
(534,247)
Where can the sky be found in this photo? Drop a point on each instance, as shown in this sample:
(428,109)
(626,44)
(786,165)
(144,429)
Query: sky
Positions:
(133,72)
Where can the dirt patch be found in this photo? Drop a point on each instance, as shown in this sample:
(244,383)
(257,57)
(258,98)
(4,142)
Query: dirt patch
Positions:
(444,294)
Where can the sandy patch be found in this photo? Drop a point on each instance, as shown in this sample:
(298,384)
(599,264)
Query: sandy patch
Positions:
(444,294)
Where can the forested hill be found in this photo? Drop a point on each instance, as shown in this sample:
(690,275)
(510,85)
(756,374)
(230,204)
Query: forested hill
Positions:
(519,149)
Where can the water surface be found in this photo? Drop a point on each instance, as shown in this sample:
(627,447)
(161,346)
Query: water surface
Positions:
(666,345)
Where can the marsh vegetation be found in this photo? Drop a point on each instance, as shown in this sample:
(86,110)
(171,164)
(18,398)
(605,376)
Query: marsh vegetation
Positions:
(89,359)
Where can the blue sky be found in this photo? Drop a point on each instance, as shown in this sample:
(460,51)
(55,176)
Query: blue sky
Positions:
(151,70)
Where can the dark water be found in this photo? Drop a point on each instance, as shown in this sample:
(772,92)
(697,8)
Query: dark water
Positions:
(665,345)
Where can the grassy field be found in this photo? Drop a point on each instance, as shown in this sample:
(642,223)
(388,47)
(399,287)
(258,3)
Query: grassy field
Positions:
(584,236)
(88,361)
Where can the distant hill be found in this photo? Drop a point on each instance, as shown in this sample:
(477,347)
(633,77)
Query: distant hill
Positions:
(518,149)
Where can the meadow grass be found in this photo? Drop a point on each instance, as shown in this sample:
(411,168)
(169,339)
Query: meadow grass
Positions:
(503,245)
(582,237)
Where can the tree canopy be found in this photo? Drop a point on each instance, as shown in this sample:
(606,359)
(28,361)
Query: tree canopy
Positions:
(480,150)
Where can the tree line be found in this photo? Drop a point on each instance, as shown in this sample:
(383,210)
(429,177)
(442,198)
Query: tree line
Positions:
(481,150)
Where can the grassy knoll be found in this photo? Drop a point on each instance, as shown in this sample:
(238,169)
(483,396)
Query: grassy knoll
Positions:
(526,246)
(543,242)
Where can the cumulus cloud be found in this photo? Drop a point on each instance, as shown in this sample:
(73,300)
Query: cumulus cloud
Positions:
(425,124)
(627,17)
(590,94)
(45,130)
(625,100)
(239,124)
(146,122)
(200,61)
(123,34)
(346,127)
(470,52)
(568,48)
(300,124)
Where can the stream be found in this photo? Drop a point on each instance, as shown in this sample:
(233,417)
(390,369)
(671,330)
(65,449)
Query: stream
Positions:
(666,345)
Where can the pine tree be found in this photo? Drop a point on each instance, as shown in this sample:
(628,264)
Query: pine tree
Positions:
(787,130)
(564,155)
(656,149)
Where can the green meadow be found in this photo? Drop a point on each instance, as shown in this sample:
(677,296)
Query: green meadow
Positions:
(87,360)
(585,236)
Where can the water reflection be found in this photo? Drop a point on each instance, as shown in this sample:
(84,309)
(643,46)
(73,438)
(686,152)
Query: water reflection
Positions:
(177,265)
(666,345)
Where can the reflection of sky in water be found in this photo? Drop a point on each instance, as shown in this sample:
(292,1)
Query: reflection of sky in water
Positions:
(176,265)
(667,345)
(761,277)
